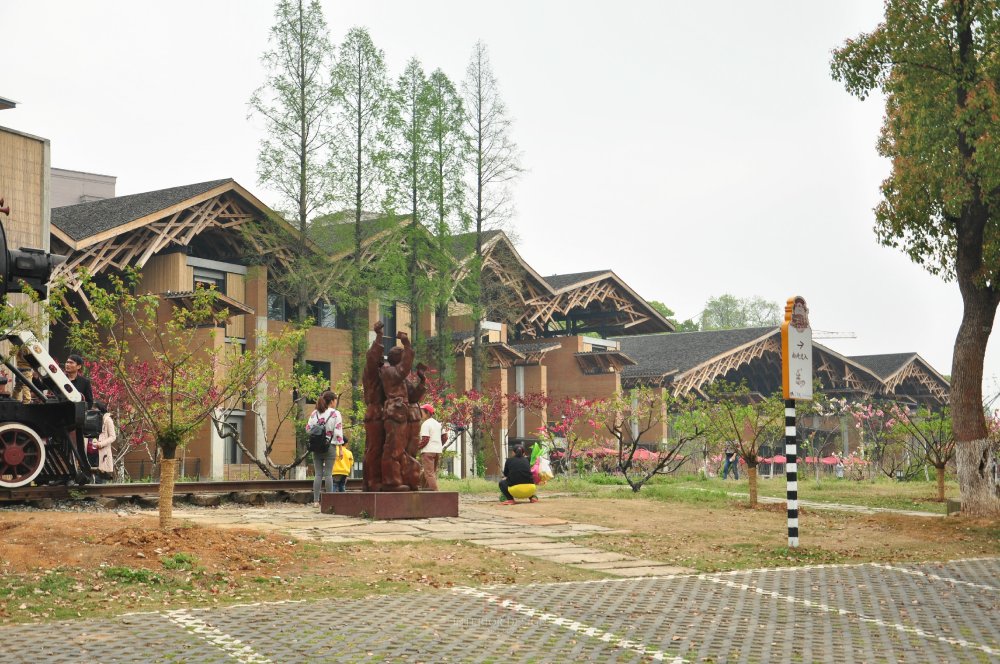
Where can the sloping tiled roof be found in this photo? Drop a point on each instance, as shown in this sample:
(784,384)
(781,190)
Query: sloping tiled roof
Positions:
(530,347)
(561,281)
(884,365)
(464,244)
(334,233)
(661,354)
(84,220)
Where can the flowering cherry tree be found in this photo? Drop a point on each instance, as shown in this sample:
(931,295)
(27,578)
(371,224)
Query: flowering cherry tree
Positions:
(285,407)
(929,437)
(569,416)
(745,419)
(133,431)
(468,410)
(177,342)
(882,443)
(628,417)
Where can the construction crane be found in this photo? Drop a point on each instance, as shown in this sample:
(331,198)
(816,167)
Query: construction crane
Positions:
(826,334)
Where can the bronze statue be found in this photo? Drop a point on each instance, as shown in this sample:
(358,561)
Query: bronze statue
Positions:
(392,417)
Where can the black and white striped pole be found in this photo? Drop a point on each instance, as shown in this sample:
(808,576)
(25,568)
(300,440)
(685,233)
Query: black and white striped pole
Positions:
(791,474)
(796,382)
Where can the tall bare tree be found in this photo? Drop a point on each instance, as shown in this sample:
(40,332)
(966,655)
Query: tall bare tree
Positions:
(410,116)
(295,105)
(448,147)
(361,163)
(494,161)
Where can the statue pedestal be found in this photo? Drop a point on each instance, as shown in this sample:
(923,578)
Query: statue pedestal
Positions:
(391,505)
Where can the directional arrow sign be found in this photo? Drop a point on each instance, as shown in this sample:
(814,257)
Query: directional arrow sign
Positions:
(796,351)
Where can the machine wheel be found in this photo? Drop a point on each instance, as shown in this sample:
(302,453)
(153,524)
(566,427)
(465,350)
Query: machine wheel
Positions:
(22,455)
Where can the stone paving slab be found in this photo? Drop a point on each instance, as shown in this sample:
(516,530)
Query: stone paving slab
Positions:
(634,562)
(647,570)
(578,557)
(556,550)
(521,545)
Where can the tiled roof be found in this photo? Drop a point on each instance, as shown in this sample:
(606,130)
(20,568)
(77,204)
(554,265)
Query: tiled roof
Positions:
(560,281)
(464,244)
(84,220)
(884,365)
(335,233)
(661,354)
(531,347)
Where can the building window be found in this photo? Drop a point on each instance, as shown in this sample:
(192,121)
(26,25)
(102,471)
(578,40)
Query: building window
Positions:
(234,427)
(321,369)
(387,314)
(276,306)
(206,278)
(325,315)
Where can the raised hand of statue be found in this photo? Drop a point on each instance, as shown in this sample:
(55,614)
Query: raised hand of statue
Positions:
(379,326)
(404,338)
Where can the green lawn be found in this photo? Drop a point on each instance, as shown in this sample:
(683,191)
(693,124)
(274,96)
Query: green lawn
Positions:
(913,495)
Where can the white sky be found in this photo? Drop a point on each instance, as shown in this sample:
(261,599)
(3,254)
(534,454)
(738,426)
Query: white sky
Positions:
(694,148)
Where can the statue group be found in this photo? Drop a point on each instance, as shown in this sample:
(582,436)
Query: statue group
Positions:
(392,416)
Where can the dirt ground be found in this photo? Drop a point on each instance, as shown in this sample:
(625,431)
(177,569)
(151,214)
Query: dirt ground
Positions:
(56,565)
(48,540)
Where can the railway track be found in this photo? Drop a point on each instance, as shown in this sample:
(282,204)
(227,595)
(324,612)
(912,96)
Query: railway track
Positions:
(65,492)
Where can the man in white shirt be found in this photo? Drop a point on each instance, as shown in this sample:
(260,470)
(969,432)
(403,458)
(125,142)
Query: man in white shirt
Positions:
(430,447)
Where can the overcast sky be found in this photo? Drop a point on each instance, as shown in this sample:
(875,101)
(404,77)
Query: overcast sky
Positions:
(695,149)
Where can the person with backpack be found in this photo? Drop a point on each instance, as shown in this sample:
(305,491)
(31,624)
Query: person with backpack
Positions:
(326,440)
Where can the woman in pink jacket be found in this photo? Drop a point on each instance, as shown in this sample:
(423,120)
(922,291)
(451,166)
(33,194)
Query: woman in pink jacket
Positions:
(105,450)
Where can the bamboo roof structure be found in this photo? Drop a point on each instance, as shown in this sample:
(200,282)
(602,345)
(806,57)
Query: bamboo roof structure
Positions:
(688,362)
(910,374)
(557,305)
(220,218)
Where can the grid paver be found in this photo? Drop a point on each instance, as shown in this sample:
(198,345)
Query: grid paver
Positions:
(838,613)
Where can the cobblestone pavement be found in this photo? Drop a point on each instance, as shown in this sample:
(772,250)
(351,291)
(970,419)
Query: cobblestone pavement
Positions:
(940,612)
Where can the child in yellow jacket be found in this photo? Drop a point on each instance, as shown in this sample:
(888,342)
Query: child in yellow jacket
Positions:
(342,468)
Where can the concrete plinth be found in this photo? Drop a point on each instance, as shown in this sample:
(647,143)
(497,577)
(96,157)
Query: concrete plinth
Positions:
(401,505)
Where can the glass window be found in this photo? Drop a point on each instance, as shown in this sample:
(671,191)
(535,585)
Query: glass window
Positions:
(387,314)
(321,369)
(276,306)
(205,278)
(233,453)
(324,315)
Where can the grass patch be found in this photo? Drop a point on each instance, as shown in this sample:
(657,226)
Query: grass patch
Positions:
(179,561)
(884,493)
(129,575)
(470,485)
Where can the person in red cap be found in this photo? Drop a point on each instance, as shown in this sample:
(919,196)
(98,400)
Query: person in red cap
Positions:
(430,447)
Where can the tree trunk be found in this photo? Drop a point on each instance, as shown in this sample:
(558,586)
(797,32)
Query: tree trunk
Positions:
(752,483)
(940,483)
(477,385)
(977,478)
(168,470)
(977,482)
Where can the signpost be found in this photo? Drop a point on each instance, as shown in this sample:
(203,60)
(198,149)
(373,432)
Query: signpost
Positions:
(796,383)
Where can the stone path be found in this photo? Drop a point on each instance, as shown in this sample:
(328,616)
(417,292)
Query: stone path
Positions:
(512,529)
